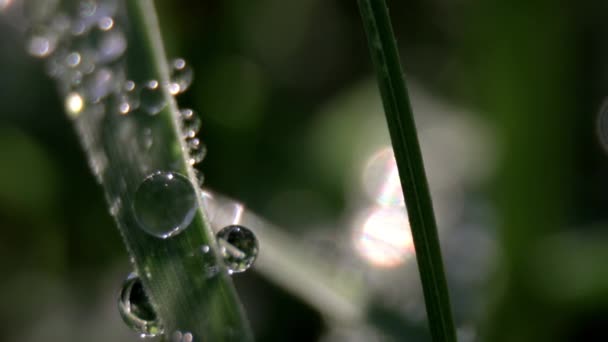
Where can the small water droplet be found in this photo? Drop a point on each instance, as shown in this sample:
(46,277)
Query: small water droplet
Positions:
(200,177)
(106,23)
(152,99)
(181,76)
(197,150)
(239,247)
(205,249)
(147,138)
(115,207)
(72,60)
(177,336)
(165,204)
(136,310)
(41,41)
(191,123)
(128,98)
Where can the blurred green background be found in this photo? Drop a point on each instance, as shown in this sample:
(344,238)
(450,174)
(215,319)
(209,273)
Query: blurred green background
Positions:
(507,97)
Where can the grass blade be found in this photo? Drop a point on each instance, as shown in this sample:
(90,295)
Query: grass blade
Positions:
(189,289)
(402,128)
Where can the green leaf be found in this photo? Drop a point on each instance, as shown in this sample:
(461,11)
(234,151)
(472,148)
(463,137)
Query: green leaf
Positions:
(189,289)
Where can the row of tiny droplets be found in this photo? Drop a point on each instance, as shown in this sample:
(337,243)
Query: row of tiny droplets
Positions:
(85,51)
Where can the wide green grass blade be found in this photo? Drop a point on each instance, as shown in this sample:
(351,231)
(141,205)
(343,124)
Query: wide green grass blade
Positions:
(402,128)
(189,289)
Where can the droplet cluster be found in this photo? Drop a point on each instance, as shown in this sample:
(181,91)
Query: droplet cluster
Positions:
(84,45)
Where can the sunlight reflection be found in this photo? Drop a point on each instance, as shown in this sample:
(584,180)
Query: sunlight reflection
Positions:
(74,104)
(381,178)
(383,238)
(4,4)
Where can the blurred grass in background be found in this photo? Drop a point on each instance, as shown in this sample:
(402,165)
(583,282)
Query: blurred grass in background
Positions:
(507,98)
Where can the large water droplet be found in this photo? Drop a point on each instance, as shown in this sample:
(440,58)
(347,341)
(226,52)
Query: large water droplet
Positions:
(152,99)
(181,76)
(197,150)
(165,204)
(136,310)
(239,247)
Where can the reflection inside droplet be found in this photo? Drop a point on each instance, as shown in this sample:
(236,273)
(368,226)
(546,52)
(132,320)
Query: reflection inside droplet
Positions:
(239,247)
(74,104)
(384,238)
(136,310)
(381,178)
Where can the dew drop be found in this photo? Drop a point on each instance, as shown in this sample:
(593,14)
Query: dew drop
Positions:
(129,99)
(181,76)
(165,204)
(151,98)
(72,60)
(239,247)
(200,177)
(191,123)
(136,310)
(177,336)
(106,23)
(41,41)
(197,150)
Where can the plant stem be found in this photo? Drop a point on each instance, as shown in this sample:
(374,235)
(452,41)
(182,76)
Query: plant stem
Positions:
(402,128)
